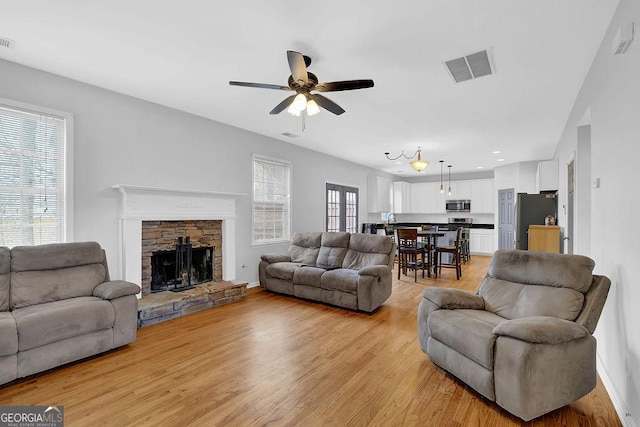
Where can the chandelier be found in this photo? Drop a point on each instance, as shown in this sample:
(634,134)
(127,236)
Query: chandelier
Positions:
(418,164)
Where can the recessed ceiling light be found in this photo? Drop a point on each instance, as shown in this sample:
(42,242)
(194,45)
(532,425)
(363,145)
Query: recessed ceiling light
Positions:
(480,167)
(398,163)
(499,160)
(496,152)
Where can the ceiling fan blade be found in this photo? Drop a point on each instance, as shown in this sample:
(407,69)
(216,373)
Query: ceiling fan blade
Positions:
(298,67)
(259,85)
(284,104)
(327,104)
(343,85)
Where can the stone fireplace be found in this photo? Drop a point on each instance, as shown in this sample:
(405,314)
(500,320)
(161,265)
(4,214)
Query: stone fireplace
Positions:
(206,217)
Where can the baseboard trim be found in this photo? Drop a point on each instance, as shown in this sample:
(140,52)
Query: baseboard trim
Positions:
(253,285)
(616,398)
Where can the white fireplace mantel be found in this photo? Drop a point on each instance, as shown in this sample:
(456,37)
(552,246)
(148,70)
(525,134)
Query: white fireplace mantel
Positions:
(140,203)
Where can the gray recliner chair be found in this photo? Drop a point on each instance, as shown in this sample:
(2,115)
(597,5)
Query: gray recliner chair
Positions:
(524,340)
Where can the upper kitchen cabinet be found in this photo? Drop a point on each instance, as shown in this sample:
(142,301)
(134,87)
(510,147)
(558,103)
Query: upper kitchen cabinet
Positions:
(378,194)
(482,196)
(401,197)
(547,176)
(419,197)
(460,190)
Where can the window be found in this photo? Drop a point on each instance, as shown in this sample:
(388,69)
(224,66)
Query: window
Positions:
(271,201)
(32,174)
(342,208)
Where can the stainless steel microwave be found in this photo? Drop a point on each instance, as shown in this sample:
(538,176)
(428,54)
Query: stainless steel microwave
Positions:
(458,205)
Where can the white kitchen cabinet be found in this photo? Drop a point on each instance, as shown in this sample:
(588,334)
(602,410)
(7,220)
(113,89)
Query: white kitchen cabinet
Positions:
(378,194)
(401,197)
(460,190)
(435,200)
(482,196)
(547,176)
(419,197)
(481,241)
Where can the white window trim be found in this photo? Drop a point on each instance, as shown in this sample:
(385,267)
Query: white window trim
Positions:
(68,156)
(255,157)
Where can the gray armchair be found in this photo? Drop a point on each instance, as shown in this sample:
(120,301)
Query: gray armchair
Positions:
(524,340)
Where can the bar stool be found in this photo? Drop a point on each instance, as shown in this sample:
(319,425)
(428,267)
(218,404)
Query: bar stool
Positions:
(454,250)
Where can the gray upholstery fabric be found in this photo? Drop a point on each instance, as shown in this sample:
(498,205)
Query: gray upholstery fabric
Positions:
(530,347)
(450,298)
(5,267)
(333,249)
(60,352)
(55,256)
(305,247)
(8,334)
(41,286)
(533,379)
(541,329)
(55,321)
(309,276)
(8,368)
(544,269)
(115,289)
(125,323)
(514,300)
(318,269)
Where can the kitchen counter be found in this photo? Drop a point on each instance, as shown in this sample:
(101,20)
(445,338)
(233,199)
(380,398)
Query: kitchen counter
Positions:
(443,224)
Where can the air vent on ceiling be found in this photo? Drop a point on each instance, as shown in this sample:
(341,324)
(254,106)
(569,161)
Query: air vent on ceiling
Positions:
(8,43)
(471,66)
(290,135)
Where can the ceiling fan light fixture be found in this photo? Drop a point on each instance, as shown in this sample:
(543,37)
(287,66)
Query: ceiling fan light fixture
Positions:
(299,102)
(293,111)
(312,108)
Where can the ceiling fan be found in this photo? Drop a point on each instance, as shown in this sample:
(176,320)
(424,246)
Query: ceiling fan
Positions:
(302,82)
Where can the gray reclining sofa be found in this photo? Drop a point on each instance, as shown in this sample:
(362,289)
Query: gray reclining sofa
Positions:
(347,270)
(57,305)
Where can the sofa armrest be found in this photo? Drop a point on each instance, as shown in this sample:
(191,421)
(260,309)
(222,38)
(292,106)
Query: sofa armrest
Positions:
(115,289)
(541,329)
(451,299)
(274,257)
(374,270)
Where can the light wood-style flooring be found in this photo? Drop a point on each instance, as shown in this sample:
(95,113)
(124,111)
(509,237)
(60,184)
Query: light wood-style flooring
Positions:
(277,360)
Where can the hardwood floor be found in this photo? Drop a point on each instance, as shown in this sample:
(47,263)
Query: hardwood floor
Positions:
(278,360)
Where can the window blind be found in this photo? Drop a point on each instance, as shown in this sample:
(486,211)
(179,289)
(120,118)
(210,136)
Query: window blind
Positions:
(271,201)
(31,178)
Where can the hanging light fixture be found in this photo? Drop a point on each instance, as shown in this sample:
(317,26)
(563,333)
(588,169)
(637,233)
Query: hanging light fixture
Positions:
(418,164)
(441,186)
(449,179)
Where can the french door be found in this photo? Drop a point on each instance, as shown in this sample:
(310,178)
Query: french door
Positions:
(342,208)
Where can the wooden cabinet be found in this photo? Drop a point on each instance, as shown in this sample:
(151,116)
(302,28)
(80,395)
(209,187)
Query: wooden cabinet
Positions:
(547,176)
(378,194)
(544,238)
(482,196)
(481,241)
(401,197)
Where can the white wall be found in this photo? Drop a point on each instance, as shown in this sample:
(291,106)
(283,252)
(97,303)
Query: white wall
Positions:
(611,93)
(123,140)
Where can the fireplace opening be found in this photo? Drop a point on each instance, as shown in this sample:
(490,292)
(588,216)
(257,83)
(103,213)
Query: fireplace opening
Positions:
(182,268)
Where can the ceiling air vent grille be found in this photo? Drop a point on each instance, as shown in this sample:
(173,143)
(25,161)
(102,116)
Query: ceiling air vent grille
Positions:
(290,135)
(471,66)
(8,43)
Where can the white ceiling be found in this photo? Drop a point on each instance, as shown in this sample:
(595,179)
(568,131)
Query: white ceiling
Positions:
(183,54)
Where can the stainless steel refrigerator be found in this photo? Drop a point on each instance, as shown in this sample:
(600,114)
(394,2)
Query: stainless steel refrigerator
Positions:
(532,209)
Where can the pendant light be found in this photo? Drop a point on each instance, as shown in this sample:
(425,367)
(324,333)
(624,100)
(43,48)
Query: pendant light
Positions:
(449,179)
(419,165)
(441,186)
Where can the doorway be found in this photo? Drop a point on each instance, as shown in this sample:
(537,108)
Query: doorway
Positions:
(570,206)
(506,223)
(342,208)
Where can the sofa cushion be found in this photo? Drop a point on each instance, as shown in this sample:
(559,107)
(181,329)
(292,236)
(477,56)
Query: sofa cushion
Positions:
(547,269)
(309,276)
(8,334)
(468,334)
(367,249)
(54,321)
(282,270)
(41,286)
(333,249)
(305,247)
(5,267)
(55,256)
(342,279)
(516,300)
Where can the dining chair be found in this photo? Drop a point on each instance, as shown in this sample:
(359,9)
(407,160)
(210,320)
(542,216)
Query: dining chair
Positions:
(455,252)
(411,252)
